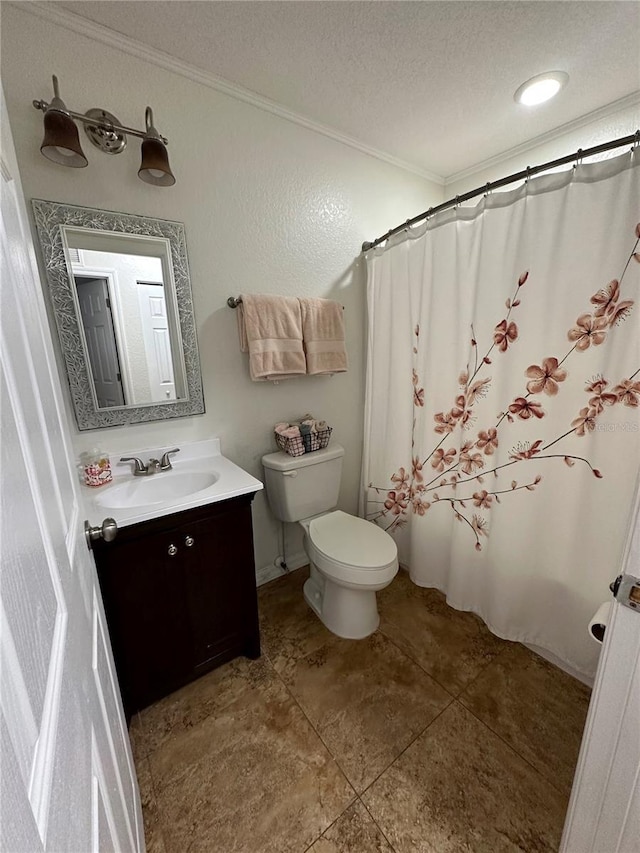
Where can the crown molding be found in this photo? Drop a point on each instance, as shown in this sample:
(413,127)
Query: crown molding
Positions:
(104,35)
(624,103)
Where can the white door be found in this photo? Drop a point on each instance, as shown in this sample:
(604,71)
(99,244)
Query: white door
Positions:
(97,322)
(604,811)
(67,781)
(157,341)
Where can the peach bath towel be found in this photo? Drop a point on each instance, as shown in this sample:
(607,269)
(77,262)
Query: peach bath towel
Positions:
(323,332)
(270,330)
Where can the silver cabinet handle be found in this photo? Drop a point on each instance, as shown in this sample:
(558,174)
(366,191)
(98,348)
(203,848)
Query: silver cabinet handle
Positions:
(189,541)
(107,531)
(172,550)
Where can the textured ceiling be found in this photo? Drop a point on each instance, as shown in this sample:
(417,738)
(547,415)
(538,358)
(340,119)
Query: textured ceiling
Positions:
(430,83)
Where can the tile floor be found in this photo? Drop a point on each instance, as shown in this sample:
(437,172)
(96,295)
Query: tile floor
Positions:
(431,736)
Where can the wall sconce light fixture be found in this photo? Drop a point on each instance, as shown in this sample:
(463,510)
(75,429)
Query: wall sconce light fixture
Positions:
(61,143)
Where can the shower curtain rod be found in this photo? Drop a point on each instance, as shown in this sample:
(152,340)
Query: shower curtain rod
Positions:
(633,140)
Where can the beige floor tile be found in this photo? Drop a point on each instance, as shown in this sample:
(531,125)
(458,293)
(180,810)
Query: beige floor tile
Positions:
(451,645)
(252,777)
(152,832)
(459,789)
(353,832)
(536,708)
(188,706)
(289,629)
(367,701)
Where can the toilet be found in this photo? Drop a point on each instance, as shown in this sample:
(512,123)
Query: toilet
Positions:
(350,558)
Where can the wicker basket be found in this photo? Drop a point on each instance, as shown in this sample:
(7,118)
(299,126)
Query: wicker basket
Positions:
(296,446)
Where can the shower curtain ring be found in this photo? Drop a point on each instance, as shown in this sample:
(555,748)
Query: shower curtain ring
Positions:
(487,189)
(526,180)
(457,201)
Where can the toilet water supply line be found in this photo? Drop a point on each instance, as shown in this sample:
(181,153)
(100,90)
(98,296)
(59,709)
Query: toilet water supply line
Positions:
(283,561)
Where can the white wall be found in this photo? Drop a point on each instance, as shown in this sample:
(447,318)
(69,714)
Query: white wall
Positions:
(268,206)
(614,126)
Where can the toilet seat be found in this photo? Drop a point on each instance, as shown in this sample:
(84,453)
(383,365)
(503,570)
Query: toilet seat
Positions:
(350,549)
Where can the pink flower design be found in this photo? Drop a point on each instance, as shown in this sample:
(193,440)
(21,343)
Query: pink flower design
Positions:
(401,480)
(606,298)
(483,499)
(419,506)
(525,450)
(478,390)
(619,312)
(396,502)
(601,398)
(444,423)
(524,408)
(418,396)
(416,469)
(504,334)
(442,458)
(545,378)
(487,441)
(628,393)
(588,330)
(479,524)
(469,462)
(586,420)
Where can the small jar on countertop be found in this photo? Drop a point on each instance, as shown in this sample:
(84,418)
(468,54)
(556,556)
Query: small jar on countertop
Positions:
(96,467)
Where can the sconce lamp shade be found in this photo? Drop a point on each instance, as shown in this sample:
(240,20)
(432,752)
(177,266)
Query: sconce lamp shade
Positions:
(61,142)
(155,168)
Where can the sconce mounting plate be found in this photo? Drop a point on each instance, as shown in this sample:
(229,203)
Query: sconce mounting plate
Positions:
(102,134)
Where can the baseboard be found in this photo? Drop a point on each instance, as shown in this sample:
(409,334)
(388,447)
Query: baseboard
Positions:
(271,571)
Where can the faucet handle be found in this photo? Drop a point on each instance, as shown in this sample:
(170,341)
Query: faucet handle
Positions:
(139,465)
(165,462)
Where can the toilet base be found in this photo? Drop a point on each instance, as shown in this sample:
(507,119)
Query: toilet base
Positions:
(348,613)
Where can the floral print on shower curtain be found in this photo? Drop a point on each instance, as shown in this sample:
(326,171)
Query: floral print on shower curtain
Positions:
(503,400)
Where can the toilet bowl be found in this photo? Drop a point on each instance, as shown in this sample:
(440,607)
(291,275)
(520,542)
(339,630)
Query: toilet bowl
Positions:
(350,559)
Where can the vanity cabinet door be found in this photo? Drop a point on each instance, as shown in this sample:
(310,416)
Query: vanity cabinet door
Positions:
(146,614)
(180,597)
(220,586)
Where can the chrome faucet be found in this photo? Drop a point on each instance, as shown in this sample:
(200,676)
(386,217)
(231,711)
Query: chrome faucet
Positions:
(154,466)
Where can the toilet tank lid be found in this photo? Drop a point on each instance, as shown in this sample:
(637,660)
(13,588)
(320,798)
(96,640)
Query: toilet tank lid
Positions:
(281,461)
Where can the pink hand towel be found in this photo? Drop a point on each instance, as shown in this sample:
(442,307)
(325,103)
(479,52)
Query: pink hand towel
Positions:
(270,330)
(323,332)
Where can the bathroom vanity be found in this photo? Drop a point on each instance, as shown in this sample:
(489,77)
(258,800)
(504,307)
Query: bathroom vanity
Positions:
(178,581)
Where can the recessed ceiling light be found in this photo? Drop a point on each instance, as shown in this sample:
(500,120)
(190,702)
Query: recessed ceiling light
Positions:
(541,88)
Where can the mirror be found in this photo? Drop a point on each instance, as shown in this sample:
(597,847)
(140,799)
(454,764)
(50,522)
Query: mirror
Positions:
(121,296)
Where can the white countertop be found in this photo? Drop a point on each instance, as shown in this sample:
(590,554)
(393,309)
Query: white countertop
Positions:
(199,462)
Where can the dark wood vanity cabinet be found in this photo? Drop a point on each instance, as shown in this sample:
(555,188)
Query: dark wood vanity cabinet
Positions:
(180,597)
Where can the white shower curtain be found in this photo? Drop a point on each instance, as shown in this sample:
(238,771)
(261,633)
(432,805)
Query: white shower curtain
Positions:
(502,429)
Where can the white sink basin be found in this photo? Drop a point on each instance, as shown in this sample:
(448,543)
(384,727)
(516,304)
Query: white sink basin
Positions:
(200,475)
(155,489)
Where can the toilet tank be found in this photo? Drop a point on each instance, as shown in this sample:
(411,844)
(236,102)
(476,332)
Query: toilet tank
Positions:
(301,486)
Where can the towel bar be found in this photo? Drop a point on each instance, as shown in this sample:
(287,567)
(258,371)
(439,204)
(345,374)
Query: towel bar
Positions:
(234,301)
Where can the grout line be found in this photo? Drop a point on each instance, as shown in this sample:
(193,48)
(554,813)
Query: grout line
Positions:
(513,749)
(417,663)
(411,742)
(382,832)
